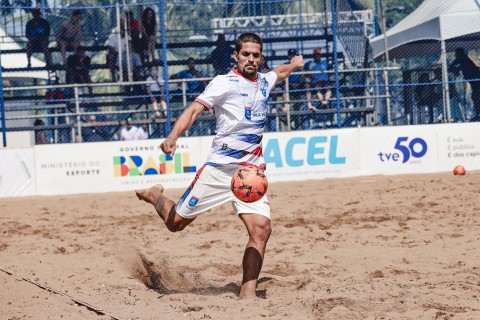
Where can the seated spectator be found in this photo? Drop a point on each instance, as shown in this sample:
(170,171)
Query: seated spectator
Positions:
(142,133)
(149,32)
(70,34)
(37,32)
(296,88)
(93,133)
(115,49)
(40,135)
(78,68)
(319,82)
(129,132)
(155,90)
(221,56)
(194,88)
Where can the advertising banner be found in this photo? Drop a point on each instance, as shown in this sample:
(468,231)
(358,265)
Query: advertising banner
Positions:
(17,169)
(303,155)
(459,144)
(114,166)
(399,150)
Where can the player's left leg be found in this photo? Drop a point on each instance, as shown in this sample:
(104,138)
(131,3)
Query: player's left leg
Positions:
(259,230)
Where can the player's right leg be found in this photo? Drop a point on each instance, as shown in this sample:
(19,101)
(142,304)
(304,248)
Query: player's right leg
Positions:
(164,207)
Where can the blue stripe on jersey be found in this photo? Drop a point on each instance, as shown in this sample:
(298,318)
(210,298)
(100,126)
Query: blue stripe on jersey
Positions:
(246,137)
(229,152)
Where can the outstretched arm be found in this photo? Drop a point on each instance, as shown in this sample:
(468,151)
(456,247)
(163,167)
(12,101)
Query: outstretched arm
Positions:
(183,123)
(284,70)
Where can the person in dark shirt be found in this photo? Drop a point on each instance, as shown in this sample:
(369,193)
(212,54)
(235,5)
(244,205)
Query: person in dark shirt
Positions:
(471,73)
(37,32)
(221,56)
(78,68)
(149,32)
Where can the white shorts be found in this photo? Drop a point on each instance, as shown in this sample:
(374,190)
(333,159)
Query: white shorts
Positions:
(211,188)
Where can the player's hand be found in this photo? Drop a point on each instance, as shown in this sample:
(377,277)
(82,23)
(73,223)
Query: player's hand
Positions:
(298,61)
(168,146)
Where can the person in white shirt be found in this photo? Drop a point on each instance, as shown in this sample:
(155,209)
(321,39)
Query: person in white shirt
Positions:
(142,132)
(117,46)
(129,132)
(239,99)
(155,91)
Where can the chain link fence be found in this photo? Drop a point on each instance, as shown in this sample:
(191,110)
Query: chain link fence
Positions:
(104,70)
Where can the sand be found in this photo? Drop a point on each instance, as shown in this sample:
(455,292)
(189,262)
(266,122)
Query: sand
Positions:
(381,247)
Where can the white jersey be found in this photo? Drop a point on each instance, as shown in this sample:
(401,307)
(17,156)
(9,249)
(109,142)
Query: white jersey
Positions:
(240,107)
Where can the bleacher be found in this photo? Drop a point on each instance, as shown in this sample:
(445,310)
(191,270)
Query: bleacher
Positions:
(113,105)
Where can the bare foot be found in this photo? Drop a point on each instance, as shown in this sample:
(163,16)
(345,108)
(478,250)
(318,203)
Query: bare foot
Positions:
(150,195)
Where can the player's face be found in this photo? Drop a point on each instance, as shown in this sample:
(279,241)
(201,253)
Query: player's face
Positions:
(248,59)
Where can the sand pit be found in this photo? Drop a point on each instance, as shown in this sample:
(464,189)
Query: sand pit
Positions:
(381,247)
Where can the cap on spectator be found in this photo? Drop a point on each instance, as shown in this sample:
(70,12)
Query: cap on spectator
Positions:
(292,52)
(317,50)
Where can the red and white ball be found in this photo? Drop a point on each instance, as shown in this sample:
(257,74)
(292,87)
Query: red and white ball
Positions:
(459,171)
(249,184)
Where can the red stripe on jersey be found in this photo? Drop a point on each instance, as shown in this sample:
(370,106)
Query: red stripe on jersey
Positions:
(257,152)
(199,172)
(203,103)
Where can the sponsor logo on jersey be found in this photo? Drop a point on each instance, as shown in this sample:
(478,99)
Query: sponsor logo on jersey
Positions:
(248,113)
(192,202)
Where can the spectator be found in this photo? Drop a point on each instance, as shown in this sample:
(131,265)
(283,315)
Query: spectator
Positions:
(37,32)
(93,132)
(129,132)
(221,56)
(194,88)
(296,88)
(319,82)
(155,90)
(40,136)
(70,34)
(142,133)
(471,73)
(78,68)
(424,96)
(113,57)
(133,28)
(149,32)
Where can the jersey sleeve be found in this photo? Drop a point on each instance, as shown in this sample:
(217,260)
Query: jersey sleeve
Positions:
(215,93)
(271,78)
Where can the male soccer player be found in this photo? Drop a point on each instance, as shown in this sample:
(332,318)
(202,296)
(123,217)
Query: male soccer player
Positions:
(240,102)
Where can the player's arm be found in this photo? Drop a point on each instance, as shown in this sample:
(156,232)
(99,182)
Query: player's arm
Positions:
(284,70)
(183,123)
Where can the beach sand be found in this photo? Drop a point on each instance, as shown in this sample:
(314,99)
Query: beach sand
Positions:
(378,247)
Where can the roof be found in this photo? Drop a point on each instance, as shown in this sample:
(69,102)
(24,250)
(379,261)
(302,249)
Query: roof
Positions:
(432,22)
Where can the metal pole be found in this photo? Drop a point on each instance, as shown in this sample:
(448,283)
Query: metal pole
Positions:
(120,53)
(165,62)
(287,98)
(445,86)
(335,61)
(77,112)
(2,105)
(387,58)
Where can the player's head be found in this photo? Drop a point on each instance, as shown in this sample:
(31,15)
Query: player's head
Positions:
(248,54)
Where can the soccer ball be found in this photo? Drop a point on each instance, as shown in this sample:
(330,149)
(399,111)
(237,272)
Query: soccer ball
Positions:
(249,184)
(459,170)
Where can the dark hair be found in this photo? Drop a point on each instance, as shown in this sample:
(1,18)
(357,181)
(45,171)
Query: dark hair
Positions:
(76,13)
(36,11)
(248,37)
(145,21)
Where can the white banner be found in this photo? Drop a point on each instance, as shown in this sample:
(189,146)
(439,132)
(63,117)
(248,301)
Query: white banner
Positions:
(459,144)
(17,177)
(399,150)
(303,155)
(114,166)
